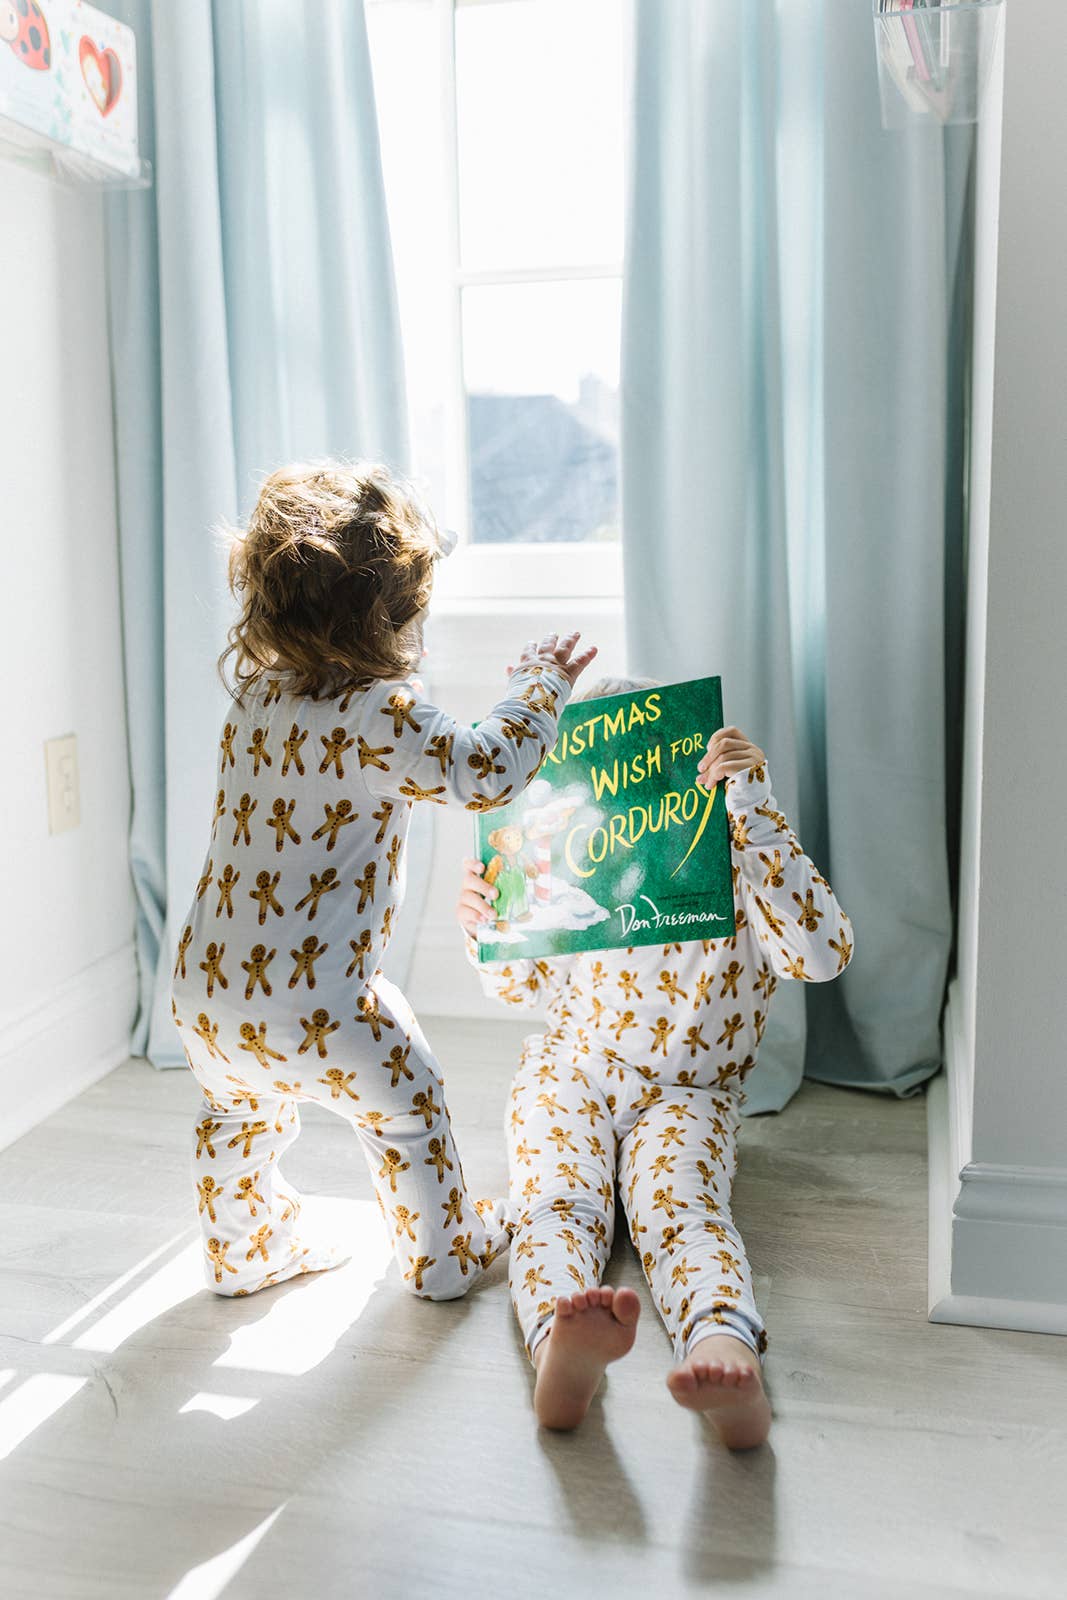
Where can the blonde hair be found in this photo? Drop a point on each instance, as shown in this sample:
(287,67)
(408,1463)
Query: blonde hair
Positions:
(606,686)
(333,574)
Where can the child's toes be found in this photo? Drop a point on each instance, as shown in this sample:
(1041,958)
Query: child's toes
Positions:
(564,1308)
(626,1306)
(580,1302)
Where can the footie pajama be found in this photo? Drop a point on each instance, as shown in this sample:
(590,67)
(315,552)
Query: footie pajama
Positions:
(637,1083)
(278,993)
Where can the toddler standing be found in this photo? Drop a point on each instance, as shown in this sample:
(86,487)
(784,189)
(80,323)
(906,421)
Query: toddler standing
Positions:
(278,992)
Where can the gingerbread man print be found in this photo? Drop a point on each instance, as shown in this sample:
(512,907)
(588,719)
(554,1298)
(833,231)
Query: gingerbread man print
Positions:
(212,965)
(368,1012)
(365,885)
(305,958)
(183,945)
(281,820)
(371,755)
(360,951)
(256,968)
(316,1032)
(226,884)
(208,1031)
(243,815)
(255,1040)
(291,748)
(339,1083)
(335,746)
(258,750)
(319,886)
(400,707)
(337,817)
(383,816)
(263,895)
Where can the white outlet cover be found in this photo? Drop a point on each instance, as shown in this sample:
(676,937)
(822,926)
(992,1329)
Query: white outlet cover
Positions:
(64,798)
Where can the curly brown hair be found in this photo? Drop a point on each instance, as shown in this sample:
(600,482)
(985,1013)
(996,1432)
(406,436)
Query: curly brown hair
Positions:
(333,574)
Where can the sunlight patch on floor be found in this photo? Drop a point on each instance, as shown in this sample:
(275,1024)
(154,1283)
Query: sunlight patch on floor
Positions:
(39,1398)
(209,1580)
(302,1326)
(112,1289)
(225,1406)
(178,1280)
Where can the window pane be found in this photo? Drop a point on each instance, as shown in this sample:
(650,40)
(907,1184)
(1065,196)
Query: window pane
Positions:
(541,364)
(539,105)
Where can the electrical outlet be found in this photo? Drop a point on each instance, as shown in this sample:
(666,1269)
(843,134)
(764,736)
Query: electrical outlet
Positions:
(64,802)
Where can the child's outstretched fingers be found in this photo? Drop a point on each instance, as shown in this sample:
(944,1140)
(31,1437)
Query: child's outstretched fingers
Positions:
(559,653)
(571,665)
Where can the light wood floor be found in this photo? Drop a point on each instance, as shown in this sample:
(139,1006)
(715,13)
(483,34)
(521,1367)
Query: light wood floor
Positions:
(335,1437)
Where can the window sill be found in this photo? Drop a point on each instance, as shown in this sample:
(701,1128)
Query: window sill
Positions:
(513,577)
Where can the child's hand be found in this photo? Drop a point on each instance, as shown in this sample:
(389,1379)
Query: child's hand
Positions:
(728,753)
(472,908)
(556,652)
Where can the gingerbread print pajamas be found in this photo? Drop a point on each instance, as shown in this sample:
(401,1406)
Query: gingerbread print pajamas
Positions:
(637,1081)
(278,993)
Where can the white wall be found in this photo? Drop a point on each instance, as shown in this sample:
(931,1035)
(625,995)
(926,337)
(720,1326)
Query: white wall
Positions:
(470,646)
(67,973)
(999,1124)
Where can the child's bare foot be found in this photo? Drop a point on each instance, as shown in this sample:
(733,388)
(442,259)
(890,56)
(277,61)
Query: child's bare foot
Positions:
(588,1331)
(721,1376)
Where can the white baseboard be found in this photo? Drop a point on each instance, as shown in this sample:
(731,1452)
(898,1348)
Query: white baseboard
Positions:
(998,1233)
(52,1052)
(1018,1316)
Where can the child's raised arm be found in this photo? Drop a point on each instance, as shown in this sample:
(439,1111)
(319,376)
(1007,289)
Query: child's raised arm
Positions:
(789,903)
(409,749)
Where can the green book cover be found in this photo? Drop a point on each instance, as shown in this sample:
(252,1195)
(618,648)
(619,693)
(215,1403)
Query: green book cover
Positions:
(614,843)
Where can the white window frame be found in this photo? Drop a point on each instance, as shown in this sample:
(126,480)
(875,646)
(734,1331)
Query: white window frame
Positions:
(484,572)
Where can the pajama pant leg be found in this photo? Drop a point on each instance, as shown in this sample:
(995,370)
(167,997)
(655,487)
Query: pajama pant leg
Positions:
(676,1167)
(248,1213)
(442,1239)
(561,1160)
(382,1077)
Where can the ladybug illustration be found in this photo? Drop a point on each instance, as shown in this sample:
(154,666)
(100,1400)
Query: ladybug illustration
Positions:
(23,27)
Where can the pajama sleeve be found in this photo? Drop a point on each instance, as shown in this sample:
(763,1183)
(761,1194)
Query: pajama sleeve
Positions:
(411,750)
(522,984)
(789,903)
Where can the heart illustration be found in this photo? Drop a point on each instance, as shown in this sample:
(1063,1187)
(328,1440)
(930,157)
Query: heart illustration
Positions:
(102,73)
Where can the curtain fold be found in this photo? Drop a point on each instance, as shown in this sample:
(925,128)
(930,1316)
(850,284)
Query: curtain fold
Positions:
(793,417)
(253,321)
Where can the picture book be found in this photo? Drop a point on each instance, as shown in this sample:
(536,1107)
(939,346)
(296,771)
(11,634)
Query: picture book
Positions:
(614,843)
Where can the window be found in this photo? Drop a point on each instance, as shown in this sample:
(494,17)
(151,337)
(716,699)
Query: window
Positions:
(502,147)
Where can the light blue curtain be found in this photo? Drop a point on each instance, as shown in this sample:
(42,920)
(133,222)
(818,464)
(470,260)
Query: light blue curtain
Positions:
(253,321)
(793,386)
